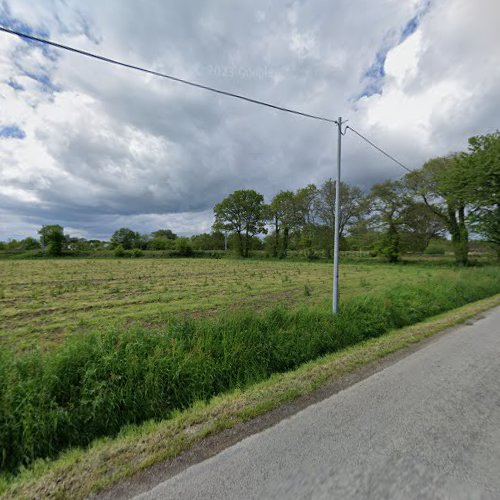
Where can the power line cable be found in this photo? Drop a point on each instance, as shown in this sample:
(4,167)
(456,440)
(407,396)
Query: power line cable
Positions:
(196,85)
(379,149)
(164,75)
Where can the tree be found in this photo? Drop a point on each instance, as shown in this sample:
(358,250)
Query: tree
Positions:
(208,241)
(183,247)
(127,238)
(480,170)
(161,244)
(164,233)
(389,200)
(305,199)
(52,239)
(30,244)
(243,213)
(442,188)
(352,203)
(284,215)
(419,225)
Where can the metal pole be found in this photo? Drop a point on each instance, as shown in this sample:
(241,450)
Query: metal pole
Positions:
(337,224)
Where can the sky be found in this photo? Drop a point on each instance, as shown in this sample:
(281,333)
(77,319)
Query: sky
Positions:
(95,147)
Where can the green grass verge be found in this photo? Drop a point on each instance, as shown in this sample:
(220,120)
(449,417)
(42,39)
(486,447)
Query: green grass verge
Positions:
(80,472)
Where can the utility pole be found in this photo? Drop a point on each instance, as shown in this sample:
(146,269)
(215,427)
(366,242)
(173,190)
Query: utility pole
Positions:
(336,240)
(225,240)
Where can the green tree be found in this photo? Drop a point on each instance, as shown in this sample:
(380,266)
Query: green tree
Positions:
(208,241)
(352,203)
(183,247)
(243,213)
(30,244)
(305,199)
(161,244)
(284,215)
(388,200)
(164,233)
(442,188)
(74,244)
(480,171)
(127,238)
(419,225)
(52,239)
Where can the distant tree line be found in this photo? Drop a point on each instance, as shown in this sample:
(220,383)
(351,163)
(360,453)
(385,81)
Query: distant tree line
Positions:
(452,196)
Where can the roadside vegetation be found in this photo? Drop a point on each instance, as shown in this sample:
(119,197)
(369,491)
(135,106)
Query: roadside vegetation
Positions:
(96,383)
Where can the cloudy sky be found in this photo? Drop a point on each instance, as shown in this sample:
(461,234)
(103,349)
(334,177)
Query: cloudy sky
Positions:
(95,147)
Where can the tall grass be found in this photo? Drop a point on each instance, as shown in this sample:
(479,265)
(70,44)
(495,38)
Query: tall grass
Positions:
(95,384)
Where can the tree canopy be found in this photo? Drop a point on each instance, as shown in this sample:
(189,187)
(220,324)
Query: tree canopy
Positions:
(52,239)
(243,213)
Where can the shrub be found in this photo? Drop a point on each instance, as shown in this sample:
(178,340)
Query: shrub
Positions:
(119,251)
(435,249)
(183,248)
(388,245)
(312,256)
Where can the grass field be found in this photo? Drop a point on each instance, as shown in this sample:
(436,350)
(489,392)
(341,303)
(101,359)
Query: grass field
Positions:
(144,340)
(42,301)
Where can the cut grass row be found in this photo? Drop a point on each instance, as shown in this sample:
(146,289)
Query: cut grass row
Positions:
(80,472)
(95,384)
(42,302)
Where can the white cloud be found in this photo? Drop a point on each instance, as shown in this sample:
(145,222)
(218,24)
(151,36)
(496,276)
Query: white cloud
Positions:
(438,81)
(106,147)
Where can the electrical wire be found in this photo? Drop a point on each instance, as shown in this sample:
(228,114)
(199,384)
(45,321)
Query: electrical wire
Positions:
(163,75)
(379,149)
(197,85)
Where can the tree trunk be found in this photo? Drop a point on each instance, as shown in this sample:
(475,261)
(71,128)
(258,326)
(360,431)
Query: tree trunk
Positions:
(276,237)
(391,244)
(459,236)
(461,249)
(247,244)
(284,250)
(240,244)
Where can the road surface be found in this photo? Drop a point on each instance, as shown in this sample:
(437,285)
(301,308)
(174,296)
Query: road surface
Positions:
(425,427)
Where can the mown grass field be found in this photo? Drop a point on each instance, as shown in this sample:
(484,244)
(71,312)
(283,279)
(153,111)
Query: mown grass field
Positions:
(144,339)
(43,301)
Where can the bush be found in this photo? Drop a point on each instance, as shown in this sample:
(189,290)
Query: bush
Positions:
(312,256)
(136,253)
(388,245)
(119,251)
(435,249)
(183,248)
(95,384)
(161,244)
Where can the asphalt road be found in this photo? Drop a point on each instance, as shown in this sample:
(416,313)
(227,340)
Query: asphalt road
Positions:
(425,427)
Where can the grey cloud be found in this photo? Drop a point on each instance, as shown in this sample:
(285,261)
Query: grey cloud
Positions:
(124,148)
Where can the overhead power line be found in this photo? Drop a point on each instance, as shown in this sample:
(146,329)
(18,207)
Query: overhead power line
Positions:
(164,75)
(194,84)
(379,149)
